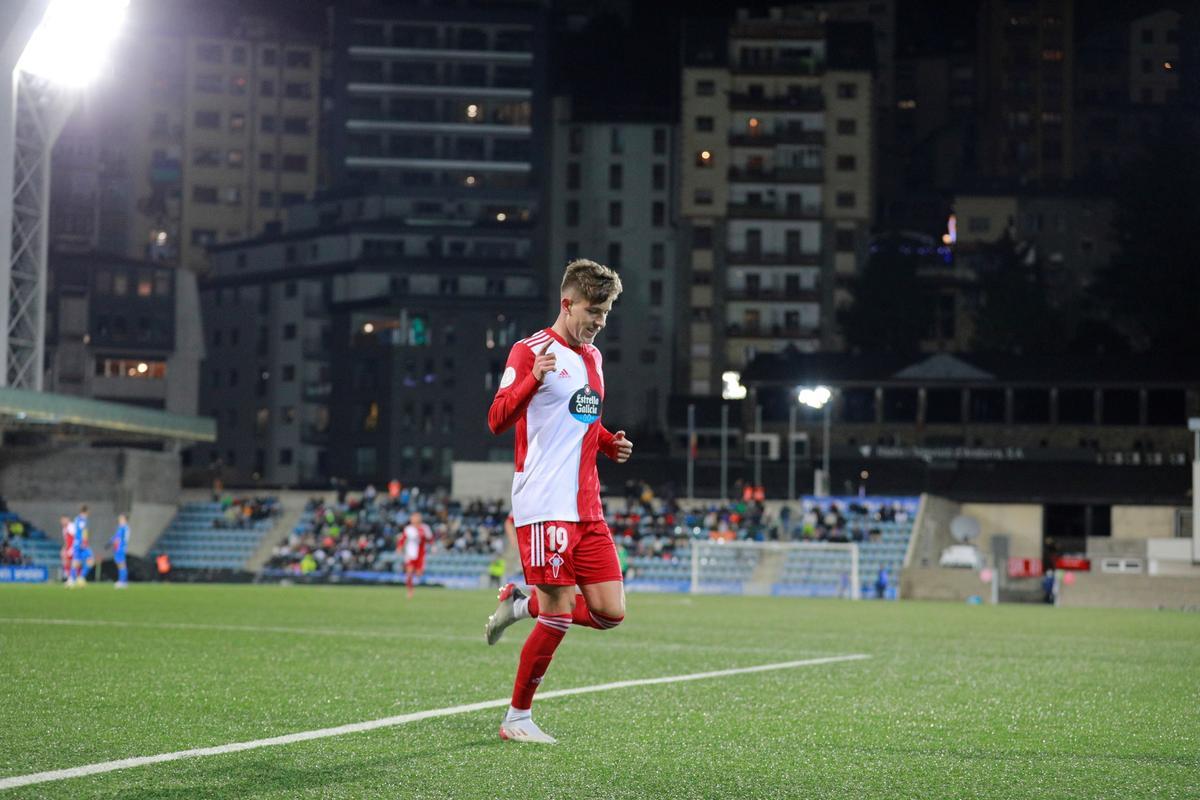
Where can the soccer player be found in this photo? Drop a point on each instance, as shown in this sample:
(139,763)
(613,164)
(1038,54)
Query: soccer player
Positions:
(68,550)
(81,557)
(416,534)
(552,390)
(119,541)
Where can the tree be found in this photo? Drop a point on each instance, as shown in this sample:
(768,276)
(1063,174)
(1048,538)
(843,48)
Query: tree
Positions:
(1014,315)
(890,311)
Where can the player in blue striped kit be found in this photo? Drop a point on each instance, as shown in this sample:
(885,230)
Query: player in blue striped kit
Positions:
(119,541)
(81,559)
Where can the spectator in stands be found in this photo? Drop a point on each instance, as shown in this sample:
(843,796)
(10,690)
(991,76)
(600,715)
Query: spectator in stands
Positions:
(881,583)
(163,564)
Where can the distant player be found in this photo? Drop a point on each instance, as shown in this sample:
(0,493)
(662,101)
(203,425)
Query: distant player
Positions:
(119,541)
(68,550)
(81,557)
(416,535)
(552,390)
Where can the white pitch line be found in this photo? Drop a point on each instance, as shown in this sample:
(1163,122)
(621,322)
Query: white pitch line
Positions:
(388,722)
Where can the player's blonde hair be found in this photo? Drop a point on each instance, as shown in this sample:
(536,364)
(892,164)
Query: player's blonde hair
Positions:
(594,281)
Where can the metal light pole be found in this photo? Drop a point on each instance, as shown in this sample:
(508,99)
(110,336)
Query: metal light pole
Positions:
(1194,427)
(758,446)
(791,445)
(820,397)
(724,451)
(691,448)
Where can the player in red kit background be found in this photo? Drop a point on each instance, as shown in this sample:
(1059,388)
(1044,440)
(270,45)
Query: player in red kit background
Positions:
(416,534)
(552,390)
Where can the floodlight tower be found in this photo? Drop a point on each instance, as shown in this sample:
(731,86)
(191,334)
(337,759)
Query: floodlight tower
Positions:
(49,49)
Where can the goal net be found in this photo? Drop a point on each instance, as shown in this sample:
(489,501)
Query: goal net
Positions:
(800,569)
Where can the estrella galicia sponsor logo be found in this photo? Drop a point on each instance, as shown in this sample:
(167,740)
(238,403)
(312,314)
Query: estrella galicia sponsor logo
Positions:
(584,405)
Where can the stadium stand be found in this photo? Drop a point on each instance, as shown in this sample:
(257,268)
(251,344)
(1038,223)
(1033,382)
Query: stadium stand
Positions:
(31,544)
(217,535)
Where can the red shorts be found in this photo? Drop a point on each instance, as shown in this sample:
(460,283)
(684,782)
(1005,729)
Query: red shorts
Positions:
(568,553)
(417,564)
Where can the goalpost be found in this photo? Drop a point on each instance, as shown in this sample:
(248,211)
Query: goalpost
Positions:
(807,569)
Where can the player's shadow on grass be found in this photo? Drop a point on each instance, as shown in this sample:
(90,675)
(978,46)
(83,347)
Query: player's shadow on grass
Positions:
(264,772)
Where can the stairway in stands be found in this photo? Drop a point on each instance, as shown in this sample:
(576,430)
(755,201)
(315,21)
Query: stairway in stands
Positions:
(193,540)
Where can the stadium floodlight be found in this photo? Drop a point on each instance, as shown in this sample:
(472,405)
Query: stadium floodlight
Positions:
(817,398)
(70,46)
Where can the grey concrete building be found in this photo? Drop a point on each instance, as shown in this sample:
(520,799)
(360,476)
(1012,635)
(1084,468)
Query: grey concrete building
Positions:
(612,199)
(364,339)
(777,188)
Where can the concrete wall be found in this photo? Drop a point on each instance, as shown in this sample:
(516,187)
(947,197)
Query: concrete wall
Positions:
(1143,522)
(937,583)
(1022,523)
(481,480)
(932,531)
(1098,590)
(43,485)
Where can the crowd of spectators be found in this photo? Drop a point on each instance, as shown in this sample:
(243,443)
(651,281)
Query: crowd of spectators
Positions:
(360,533)
(243,512)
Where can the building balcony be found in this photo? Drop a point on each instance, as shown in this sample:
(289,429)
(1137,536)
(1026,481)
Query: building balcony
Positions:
(439,89)
(317,391)
(738,331)
(389,162)
(758,258)
(777,175)
(773,138)
(385,52)
(315,350)
(812,101)
(384,123)
(764,211)
(789,66)
(774,295)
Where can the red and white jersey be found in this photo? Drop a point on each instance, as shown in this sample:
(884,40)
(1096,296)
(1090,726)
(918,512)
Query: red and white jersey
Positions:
(68,536)
(558,432)
(415,537)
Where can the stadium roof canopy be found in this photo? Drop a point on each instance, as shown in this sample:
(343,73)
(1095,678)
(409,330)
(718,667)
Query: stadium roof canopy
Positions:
(22,409)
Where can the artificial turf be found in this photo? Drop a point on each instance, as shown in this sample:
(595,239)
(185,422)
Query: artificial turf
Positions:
(956,701)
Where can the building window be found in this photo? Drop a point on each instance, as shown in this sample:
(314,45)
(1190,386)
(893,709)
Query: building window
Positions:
(295,163)
(207,119)
(285,457)
(237,85)
(658,213)
(200,236)
(706,88)
(614,215)
(204,194)
(847,127)
(237,122)
(846,163)
(208,84)
(574,178)
(266,88)
(845,200)
(289,331)
(287,199)
(658,177)
(656,292)
(616,141)
(266,199)
(266,161)
(267,123)
(847,91)
(364,461)
(614,254)
(300,91)
(296,125)
(845,241)
(289,373)
(575,141)
(703,197)
(658,255)
(206,157)
(268,57)
(702,238)
(616,176)
(572,213)
(234,158)
(209,53)
(660,141)
(299,59)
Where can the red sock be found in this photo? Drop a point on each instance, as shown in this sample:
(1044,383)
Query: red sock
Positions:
(408,581)
(535,657)
(580,615)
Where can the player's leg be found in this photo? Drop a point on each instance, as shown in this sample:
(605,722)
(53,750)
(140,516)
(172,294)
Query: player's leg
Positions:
(408,578)
(555,618)
(601,602)
(122,572)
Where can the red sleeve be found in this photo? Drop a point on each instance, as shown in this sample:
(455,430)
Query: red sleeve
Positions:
(517,387)
(606,445)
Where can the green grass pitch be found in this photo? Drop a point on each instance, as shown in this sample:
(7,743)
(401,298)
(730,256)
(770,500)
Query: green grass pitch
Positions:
(956,701)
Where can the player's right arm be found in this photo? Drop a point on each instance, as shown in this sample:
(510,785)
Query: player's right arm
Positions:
(522,377)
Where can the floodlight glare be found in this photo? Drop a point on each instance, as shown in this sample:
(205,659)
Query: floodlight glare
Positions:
(70,45)
(816,397)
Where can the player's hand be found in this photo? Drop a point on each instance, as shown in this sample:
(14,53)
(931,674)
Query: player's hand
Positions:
(543,363)
(623,445)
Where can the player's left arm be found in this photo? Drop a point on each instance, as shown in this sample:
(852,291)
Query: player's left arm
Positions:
(616,446)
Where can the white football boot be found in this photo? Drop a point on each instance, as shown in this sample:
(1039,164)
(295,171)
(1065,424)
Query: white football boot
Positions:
(504,615)
(524,730)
